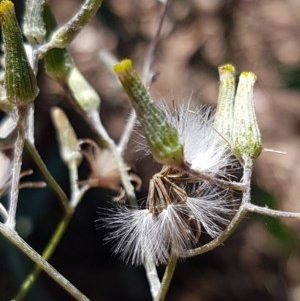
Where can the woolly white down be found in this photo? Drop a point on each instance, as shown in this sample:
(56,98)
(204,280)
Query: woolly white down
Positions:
(138,234)
(204,149)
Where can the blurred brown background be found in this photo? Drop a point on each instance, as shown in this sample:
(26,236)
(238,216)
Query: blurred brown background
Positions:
(261,261)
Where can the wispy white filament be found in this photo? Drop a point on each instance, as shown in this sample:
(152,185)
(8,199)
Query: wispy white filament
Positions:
(204,149)
(139,234)
(176,222)
(136,235)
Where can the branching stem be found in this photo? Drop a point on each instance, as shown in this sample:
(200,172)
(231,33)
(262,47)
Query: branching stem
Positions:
(271,212)
(47,253)
(16,240)
(239,216)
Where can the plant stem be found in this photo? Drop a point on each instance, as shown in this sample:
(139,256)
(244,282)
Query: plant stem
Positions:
(75,191)
(152,277)
(16,240)
(50,180)
(19,114)
(240,214)
(47,253)
(166,281)
(93,116)
(147,74)
(272,212)
(76,195)
(122,145)
(66,33)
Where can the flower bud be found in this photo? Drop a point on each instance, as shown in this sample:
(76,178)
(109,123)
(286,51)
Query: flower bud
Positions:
(66,33)
(162,138)
(60,67)
(223,123)
(34,26)
(67,138)
(84,94)
(246,139)
(57,61)
(20,82)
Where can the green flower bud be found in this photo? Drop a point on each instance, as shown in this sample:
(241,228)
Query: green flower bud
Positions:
(67,138)
(34,26)
(65,34)
(57,61)
(60,67)
(246,139)
(58,64)
(83,92)
(162,138)
(20,82)
(224,114)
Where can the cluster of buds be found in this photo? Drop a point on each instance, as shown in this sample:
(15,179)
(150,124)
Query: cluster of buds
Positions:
(200,150)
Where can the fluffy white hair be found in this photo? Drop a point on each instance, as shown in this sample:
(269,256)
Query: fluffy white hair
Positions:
(175,225)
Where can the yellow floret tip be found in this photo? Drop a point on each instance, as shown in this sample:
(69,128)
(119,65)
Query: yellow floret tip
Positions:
(123,66)
(5,6)
(248,76)
(227,69)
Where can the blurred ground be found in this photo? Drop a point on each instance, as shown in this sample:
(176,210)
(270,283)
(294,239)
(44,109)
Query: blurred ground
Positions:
(262,259)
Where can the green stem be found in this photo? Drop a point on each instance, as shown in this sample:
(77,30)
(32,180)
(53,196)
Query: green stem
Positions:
(50,180)
(166,281)
(57,235)
(47,253)
(16,240)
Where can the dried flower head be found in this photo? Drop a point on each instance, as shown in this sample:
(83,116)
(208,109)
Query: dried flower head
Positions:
(104,170)
(182,203)
(179,208)
(197,196)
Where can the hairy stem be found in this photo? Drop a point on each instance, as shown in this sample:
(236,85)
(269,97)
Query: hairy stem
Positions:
(152,277)
(97,125)
(19,114)
(16,240)
(127,132)
(271,212)
(66,33)
(75,191)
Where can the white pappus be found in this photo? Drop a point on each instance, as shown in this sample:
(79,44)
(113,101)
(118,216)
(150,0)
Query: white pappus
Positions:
(181,203)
